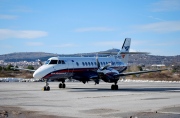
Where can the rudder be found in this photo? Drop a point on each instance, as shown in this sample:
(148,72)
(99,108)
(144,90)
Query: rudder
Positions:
(123,53)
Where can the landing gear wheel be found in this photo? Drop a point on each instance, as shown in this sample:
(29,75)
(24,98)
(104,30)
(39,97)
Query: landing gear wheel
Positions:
(114,87)
(62,85)
(46,88)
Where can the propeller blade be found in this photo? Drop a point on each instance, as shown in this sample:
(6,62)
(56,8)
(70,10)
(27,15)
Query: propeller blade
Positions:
(105,67)
(98,64)
(97,61)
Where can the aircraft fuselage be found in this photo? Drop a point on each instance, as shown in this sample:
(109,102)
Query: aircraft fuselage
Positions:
(79,68)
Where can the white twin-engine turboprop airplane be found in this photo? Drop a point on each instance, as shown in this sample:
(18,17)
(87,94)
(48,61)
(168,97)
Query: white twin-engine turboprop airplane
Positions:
(84,69)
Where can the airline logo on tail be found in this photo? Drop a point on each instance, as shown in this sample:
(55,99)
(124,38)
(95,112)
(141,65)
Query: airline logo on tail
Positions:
(126,48)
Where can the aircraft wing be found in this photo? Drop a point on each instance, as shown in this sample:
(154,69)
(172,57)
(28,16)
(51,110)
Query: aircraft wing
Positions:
(22,69)
(139,72)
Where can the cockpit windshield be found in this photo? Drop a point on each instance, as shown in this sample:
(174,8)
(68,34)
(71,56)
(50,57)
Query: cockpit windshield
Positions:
(47,62)
(53,61)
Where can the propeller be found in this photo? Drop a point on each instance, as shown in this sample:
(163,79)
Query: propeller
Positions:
(97,61)
(105,73)
(98,64)
(105,67)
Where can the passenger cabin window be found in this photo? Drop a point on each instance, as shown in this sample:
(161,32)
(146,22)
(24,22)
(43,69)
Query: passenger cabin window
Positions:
(77,63)
(53,62)
(95,63)
(61,62)
(83,63)
(92,63)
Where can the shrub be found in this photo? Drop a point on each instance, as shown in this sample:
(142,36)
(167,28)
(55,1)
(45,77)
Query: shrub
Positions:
(30,67)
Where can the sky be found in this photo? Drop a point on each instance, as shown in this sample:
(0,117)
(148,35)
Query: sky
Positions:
(82,26)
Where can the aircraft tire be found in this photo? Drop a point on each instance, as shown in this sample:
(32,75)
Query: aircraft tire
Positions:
(60,85)
(64,86)
(116,87)
(112,87)
(46,88)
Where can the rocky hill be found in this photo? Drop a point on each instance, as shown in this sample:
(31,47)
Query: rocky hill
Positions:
(26,56)
(133,59)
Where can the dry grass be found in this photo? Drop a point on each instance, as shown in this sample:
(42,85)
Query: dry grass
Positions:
(6,74)
(158,76)
(25,74)
(16,74)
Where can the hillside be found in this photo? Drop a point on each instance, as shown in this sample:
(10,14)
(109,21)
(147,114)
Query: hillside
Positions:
(26,56)
(133,59)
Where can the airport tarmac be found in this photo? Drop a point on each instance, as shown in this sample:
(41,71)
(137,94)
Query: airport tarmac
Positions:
(78,100)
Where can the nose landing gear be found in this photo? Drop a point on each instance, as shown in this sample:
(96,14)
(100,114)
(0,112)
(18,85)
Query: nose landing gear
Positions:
(62,85)
(46,88)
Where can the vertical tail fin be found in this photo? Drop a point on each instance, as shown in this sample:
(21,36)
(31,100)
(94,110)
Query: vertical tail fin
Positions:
(126,45)
(123,53)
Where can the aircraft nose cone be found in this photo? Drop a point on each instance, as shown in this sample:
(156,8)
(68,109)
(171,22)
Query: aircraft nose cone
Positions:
(37,75)
(42,71)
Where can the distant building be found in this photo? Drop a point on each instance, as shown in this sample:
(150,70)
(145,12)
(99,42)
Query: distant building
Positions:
(158,66)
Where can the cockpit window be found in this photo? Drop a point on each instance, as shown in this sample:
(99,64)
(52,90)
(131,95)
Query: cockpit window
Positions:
(47,62)
(59,62)
(53,62)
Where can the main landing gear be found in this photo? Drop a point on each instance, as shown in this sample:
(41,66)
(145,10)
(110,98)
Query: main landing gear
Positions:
(114,86)
(62,85)
(46,88)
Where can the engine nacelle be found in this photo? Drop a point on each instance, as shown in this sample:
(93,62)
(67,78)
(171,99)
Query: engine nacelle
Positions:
(108,75)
